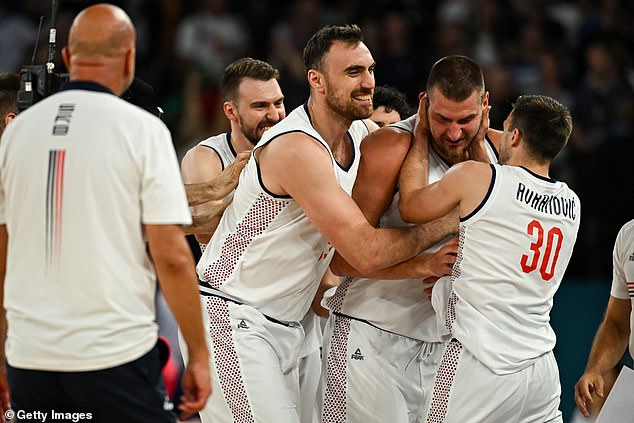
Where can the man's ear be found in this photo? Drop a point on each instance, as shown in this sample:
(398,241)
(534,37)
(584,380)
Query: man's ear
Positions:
(66,58)
(129,64)
(516,137)
(316,80)
(230,110)
(9,117)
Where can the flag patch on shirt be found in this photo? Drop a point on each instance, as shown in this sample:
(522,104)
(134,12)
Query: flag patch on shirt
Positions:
(630,289)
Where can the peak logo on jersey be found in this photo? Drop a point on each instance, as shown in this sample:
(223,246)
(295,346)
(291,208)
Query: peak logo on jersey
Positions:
(62,120)
(243,325)
(357,355)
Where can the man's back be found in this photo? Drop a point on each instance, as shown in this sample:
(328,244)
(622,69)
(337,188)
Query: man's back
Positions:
(513,253)
(93,171)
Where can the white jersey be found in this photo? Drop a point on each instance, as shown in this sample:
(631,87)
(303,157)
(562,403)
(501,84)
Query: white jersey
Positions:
(265,251)
(397,306)
(514,249)
(221,145)
(623,273)
(81,172)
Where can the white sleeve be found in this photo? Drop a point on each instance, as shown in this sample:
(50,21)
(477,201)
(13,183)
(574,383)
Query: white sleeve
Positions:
(163,197)
(619,257)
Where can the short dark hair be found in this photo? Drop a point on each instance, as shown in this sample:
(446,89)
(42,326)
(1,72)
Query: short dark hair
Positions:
(321,41)
(456,77)
(392,99)
(244,68)
(545,125)
(9,86)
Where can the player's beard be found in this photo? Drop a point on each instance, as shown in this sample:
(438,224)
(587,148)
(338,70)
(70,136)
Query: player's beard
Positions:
(345,106)
(254,133)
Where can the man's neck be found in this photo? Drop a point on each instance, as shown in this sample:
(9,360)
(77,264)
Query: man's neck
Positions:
(541,169)
(331,126)
(238,141)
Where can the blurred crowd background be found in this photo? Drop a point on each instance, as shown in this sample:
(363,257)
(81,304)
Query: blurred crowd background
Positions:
(579,52)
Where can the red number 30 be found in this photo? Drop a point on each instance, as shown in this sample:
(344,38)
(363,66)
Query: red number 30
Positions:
(546,271)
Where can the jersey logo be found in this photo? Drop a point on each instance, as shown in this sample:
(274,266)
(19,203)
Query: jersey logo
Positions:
(632,257)
(357,355)
(243,325)
(62,120)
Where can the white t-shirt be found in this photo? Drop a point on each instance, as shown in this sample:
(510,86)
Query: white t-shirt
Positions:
(623,270)
(81,172)
(397,306)
(265,251)
(514,249)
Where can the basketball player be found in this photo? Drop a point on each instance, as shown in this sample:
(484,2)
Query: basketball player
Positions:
(517,231)
(9,87)
(274,242)
(612,337)
(390,106)
(253,103)
(395,314)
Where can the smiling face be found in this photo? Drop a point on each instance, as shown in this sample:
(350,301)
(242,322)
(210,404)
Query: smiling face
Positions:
(259,106)
(349,80)
(453,124)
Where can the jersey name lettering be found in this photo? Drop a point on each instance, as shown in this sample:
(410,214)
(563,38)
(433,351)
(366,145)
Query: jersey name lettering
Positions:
(550,204)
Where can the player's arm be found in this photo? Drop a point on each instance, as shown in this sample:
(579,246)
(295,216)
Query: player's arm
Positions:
(203,185)
(477,150)
(463,185)
(203,175)
(311,181)
(608,347)
(179,285)
(4,385)
(495,136)
(329,280)
(382,154)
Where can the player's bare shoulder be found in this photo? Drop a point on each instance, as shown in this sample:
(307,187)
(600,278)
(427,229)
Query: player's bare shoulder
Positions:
(200,164)
(387,139)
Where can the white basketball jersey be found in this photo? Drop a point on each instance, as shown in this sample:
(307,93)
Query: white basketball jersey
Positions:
(513,251)
(221,144)
(397,306)
(623,276)
(265,251)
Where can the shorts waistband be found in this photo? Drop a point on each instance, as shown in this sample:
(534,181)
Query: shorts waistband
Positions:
(336,313)
(205,290)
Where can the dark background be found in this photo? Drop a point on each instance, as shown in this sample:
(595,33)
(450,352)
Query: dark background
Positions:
(579,52)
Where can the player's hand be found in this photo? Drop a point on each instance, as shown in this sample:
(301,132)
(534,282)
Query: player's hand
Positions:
(591,382)
(444,259)
(207,220)
(477,149)
(231,175)
(422,133)
(196,388)
(429,286)
(439,263)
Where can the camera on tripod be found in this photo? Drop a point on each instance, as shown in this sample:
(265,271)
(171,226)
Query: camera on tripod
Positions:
(40,81)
